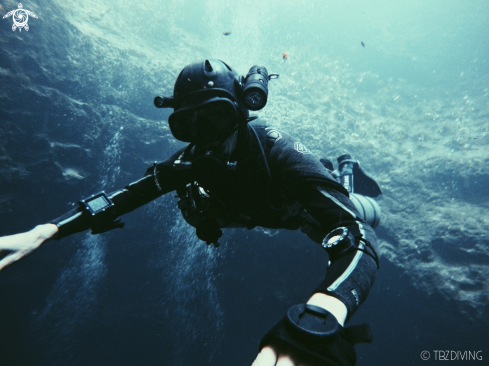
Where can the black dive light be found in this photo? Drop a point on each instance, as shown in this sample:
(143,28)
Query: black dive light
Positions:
(254,92)
(255,88)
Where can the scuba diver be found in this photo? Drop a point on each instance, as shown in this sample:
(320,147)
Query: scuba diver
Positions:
(239,173)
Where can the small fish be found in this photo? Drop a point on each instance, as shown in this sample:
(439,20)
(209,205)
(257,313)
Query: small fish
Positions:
(226,33)
(363,44)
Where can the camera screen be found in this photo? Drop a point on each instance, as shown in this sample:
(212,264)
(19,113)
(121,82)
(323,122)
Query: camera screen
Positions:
(98,203)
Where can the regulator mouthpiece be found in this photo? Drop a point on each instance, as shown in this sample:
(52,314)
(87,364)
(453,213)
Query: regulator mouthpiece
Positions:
(165,102)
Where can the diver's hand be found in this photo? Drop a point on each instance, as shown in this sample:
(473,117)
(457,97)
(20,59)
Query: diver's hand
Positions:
(24,243)
(269,356)
(277,355)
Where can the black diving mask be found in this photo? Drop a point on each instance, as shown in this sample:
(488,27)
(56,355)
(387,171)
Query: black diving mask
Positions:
(211,121)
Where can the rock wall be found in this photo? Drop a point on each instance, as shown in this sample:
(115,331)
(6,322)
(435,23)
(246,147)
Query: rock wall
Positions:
(76,117)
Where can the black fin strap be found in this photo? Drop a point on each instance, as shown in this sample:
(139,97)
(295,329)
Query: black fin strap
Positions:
(361,333)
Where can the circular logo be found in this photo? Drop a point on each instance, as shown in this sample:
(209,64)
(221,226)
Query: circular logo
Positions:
(425,355)
(20,17)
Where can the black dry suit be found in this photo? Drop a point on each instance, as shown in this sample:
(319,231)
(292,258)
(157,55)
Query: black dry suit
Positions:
(291,189)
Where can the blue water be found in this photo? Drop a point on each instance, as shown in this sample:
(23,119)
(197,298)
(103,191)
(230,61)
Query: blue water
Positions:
(76,117)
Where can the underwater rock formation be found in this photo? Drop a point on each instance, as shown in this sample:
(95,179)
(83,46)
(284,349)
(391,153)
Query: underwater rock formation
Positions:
(77,117)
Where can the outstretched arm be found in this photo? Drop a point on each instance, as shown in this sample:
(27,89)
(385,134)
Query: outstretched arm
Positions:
(158,180)
(347,282)
(22,244)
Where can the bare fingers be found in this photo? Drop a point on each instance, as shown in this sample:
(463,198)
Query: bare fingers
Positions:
(285,360)
(270,357)
(13,257)
(266,357)
(24,243)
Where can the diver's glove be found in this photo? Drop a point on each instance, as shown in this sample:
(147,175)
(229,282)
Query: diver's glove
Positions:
(314,333)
